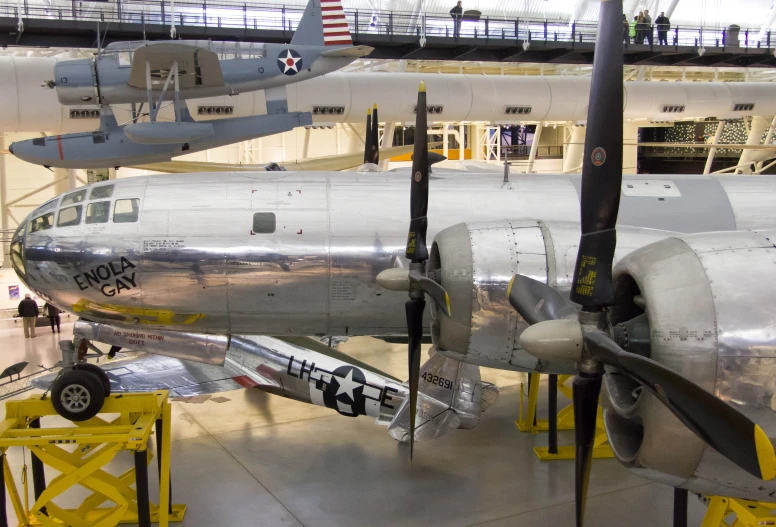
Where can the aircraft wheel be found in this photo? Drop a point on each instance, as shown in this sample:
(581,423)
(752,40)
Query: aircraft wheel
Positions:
(96,370)
(78,395)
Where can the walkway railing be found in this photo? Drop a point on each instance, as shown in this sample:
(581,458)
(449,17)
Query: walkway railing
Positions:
(363,23)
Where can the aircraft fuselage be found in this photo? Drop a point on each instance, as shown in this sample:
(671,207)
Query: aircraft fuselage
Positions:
(298,253)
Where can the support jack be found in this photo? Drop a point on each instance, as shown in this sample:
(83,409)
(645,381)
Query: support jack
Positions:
(558,420)
(747,513)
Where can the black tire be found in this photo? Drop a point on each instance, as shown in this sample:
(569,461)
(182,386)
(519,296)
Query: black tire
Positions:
(78,395)
(99,372)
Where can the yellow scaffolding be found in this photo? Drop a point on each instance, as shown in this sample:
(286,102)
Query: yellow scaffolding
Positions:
(747,513)
(80,453)
(528,422)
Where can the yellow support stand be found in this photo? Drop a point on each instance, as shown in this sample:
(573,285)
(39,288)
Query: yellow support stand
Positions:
(527,422)
(80,454)
(748,513)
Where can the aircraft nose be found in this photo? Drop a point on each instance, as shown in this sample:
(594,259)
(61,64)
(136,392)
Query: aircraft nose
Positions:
(17,249)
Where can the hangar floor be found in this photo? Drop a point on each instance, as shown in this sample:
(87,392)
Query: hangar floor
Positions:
(259,460)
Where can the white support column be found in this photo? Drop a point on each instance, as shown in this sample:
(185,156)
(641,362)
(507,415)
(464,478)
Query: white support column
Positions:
(386,142)
(534,147)
(478,145)
(445,140)
(3,208)
(575,150)
(72,178)
(768,140)
(306,147)
(630,153)
(756,131)
(498,142)
(461,146)
(713,151)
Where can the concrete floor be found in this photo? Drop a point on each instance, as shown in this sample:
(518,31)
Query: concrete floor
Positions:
(259,460)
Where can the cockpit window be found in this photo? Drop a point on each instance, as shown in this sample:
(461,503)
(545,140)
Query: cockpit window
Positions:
(102,192)
(69,216)
(49,205)
(98,212)
(16,256)
(73,198)
(126,210)
(43,222)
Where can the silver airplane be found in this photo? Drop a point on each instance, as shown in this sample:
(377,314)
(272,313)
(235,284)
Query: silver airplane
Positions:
(154,72)
(307,254)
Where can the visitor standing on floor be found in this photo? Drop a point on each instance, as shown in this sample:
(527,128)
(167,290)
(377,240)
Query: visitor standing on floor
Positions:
(457,14)
(663,25)
(28,310)
(52,312)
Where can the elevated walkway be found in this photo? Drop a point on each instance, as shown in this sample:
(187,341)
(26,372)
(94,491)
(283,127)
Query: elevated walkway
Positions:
(394,35)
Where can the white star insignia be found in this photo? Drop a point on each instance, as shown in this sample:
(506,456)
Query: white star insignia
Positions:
(289,62)
(347,385)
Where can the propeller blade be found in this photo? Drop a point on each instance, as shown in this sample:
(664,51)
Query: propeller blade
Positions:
(375,141)
(537,302)
(585,391)
(368,138)
(721,426)
(416,239)
(602,165)
(434,290)
(414,310)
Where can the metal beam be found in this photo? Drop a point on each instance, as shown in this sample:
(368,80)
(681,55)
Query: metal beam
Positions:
(713,151)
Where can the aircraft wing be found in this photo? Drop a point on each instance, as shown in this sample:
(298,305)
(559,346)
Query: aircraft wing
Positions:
(330,163)
(197,66)
(351,51)
(145,372)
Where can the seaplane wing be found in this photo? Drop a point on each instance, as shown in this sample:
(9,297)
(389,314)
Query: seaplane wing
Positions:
(197,66)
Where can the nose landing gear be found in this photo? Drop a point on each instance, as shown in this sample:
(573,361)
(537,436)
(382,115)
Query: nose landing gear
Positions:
(80,391)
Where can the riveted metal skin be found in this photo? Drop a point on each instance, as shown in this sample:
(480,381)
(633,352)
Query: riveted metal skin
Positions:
(711,318)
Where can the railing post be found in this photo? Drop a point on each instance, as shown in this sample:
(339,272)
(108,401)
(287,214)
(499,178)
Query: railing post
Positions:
(487,28)
(746,38)
(74,10)
(204,12)
(245,16)
(545,31)
(164,18)
(283,15)
(724,38)
(390,23)
(676,36)
(573,33)
(26,8)
(517,28)
(769,40)
(356,28)
(118,9)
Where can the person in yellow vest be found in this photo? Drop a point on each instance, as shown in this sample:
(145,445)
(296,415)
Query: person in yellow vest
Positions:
(633,28)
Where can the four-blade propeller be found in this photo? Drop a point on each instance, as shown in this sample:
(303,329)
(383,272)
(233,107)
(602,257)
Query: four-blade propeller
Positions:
(559,331)
(414,279)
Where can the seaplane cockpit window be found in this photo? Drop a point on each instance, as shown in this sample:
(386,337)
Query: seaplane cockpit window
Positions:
(102,192)
(264,222)
(41,223)
(69,216)
(74,197)
(126,210)
(98,212)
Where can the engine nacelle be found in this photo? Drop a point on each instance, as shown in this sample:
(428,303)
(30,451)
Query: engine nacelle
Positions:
(475,262)
(710,303)
(76,82)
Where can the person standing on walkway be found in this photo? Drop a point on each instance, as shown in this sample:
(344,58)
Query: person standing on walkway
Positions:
(633,30)
(52,312)
(663,25)
(457,14)
(28,310)
(640,28)
(625,29)
(648,27)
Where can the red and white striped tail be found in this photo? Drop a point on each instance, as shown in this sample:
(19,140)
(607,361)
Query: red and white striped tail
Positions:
(335,26)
